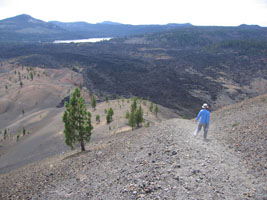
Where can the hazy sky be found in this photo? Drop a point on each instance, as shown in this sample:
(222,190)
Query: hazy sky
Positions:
(197,12)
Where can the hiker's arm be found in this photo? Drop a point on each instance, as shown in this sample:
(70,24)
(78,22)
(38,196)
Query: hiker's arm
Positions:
(198,116)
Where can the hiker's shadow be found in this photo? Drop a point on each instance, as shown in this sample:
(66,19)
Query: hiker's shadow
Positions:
(77,154)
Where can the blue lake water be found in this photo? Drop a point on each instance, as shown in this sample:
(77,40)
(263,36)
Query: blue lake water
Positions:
(82,40)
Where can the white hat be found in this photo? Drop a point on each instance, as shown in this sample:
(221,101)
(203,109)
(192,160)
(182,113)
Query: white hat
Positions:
(205,105)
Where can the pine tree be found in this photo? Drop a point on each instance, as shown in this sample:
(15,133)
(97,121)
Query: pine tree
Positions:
(109,115)
(108,118)
(127,115)
(31,75)
(156,110)
(136,115)
(131,120)
(18,135)
(5,134)
(139,116)
(93,101)
(97,118)
(134,105)
(77,121)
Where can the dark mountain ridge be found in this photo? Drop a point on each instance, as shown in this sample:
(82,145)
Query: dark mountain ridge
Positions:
(24,28)
(112,29)
(23,21)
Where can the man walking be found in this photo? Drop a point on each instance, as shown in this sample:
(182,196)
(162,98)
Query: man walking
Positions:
(204,116)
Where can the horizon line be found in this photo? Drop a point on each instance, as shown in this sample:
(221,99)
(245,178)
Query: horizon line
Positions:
(147,24)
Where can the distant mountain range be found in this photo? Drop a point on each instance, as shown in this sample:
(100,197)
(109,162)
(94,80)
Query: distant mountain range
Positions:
(111,29)
(24,28)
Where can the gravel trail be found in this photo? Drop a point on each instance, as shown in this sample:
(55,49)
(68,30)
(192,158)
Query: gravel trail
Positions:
(161,162)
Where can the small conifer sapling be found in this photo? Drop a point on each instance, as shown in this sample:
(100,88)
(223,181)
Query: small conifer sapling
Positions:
(93,101)
(97,118)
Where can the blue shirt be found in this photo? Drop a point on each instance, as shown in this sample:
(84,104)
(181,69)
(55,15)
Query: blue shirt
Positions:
(204,116)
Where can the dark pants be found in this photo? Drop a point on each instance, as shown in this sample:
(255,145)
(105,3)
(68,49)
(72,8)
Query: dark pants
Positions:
(206,128)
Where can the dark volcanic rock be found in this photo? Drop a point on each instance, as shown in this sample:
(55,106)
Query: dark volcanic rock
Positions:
(179,69)
(61,104)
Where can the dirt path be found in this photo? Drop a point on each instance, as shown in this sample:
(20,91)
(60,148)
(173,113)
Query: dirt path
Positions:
(161,162)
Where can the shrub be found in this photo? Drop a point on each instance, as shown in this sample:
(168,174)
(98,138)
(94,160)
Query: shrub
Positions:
(127,115)
(5,134)
(156,110)
(93,101)
(97,118)
(109,115)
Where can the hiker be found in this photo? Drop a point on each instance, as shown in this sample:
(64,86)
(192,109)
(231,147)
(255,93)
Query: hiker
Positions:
(204,116)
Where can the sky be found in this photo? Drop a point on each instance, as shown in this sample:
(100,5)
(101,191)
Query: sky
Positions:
(196,12)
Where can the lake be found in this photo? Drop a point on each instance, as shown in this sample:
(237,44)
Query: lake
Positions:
(82,40)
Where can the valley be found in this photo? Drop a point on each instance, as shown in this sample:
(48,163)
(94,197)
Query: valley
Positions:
(177,73)
(32,114)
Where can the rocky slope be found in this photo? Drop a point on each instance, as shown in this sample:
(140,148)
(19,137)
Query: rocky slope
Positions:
(243,128)
(161,162)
